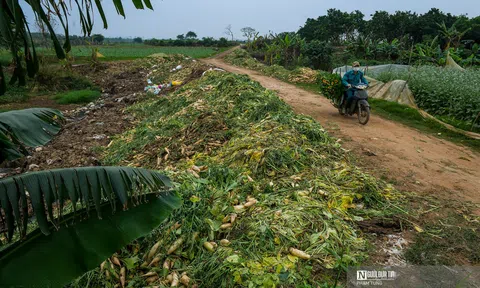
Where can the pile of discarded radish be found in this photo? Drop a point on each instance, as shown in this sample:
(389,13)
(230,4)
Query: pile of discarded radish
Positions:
(269,197)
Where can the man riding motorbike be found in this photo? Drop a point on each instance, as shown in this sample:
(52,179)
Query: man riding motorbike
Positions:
(352,78)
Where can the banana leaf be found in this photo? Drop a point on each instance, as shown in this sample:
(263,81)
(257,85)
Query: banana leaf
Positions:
(67,246)
(29,127)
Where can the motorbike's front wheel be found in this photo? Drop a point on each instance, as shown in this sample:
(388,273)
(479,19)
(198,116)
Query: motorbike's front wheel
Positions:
(363,114)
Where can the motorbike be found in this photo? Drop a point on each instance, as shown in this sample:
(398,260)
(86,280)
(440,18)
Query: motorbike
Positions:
(358,106)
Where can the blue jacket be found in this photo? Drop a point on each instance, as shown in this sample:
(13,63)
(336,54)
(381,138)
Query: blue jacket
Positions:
(354,79)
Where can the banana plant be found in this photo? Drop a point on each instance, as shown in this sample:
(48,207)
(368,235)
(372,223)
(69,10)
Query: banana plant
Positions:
(451,34)
(474,58)
(27,128)
(14,26)
(61,240)
(430,52)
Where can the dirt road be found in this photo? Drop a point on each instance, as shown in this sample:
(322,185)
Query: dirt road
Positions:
(408,158)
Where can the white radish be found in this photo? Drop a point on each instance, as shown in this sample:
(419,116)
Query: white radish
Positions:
(175,280)
(155,261)
(226,226)
(151,279)
(122,276)
(185,280)
(116,261)
(149,274)
(166,264)
(209,246)
(175,246)
(226,219)
(250,203)
(225,242)
(239,208)
(233,217)
(153,251)
(298,253)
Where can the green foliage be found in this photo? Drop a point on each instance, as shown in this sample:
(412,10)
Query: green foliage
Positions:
(98,38)
(319,55)
(284,49)
(443,91)
(338,26)
(191,35)
(333,27)
(52,78)
(66,246)
(402,37)
(189,42)
(77,97)
(330,85)
(27,128)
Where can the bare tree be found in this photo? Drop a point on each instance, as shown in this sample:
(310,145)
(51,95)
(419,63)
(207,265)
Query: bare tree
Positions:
(248,32)
(228,31)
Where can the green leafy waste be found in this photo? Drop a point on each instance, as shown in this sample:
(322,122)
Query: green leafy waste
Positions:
(228,140)
(66,246)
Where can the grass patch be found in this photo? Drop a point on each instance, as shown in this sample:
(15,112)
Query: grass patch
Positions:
(77,97)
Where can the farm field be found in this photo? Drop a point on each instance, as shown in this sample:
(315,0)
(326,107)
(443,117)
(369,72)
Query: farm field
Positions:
(123,52)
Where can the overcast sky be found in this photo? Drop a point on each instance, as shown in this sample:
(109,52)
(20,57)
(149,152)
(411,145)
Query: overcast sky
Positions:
(210,17)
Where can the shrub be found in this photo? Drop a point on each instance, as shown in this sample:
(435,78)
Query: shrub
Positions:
(54,78)
(319,54)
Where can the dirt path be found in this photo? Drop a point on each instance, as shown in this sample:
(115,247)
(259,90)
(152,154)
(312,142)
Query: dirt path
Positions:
(408,158)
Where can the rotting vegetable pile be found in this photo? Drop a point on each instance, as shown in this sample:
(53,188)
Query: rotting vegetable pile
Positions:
(242,58)
(269,197)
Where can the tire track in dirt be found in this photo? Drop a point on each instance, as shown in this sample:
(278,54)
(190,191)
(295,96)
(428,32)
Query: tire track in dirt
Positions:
(413,161)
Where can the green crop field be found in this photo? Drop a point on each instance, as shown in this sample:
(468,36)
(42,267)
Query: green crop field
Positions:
(119,52)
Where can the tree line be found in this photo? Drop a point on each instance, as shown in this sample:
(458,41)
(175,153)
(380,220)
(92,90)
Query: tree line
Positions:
(190,39)
(337,27)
